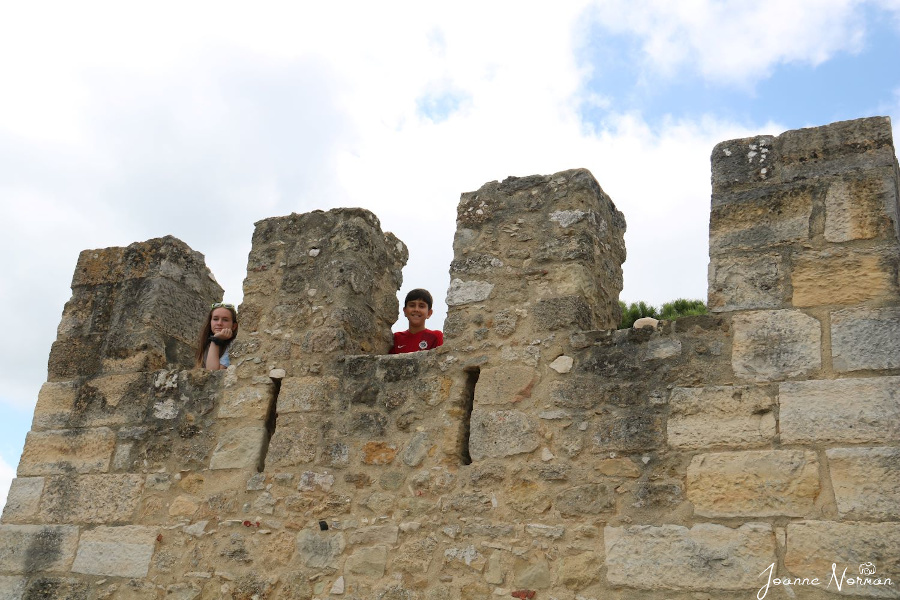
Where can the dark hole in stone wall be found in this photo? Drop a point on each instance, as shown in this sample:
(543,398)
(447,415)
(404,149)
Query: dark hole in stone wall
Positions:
(271,418)
(468,404)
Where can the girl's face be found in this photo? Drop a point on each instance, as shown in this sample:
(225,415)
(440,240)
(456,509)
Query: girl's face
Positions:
(221,319)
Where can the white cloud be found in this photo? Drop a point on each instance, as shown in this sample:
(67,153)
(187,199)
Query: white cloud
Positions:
(732,41)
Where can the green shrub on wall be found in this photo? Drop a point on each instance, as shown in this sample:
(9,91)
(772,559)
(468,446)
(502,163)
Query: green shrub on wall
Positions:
(669,311)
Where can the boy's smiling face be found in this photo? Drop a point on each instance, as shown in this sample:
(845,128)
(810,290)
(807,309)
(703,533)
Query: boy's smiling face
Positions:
(416,311)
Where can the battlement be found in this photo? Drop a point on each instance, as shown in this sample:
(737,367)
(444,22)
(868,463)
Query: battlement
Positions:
(539,453)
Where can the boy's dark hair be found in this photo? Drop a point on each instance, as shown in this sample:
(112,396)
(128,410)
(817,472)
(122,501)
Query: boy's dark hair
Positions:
(419,294)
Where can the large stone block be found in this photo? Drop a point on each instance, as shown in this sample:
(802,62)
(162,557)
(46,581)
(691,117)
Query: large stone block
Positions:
(320,550)
(240,448)
(759,483)
(504,385)
(12,587)
(824,549)
(23,499)
(295,441)
(33,548)
(743,282)
(91,498)
(116,551)
(495,434)
(760,219)
(741,163)
(306,394)
(368,562)
(67,450)
(108,400)
(852,411)
(861,207)
(866,482)
(845,146)
(704,557)
(720,415)
(865,338)
(775,344)
(845,276)
(250,402)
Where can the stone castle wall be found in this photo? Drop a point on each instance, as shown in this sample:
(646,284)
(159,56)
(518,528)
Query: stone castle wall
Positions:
(539,453)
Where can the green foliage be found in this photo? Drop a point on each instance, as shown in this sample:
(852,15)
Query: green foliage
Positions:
(669,311)
(634,311)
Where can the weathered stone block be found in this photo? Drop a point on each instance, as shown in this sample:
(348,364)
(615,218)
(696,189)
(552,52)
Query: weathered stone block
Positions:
(814,548)
(866,482)
(704,557)
(720,415)
(579,571)
(504,385)
(23,499)
(565,312)
(12,587)
(67,450)
(294,442)
(250,402)
(591,499)
(745,282)
(116,551)
(865,338)
(91,498)
(495,434)
(320,549)
(417,450)
(759,483)
(383,535)
(854,411)
(636,429)
(742,162)
(368,562)
(760,219)
(861,207)
(845,276)
(466,292)
(32,548)
(240,448)
(775,344)
(845,146)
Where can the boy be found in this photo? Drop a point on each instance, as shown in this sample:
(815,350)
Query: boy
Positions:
(417,308)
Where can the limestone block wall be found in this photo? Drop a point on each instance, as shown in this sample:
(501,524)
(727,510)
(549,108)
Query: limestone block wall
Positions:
(539,453)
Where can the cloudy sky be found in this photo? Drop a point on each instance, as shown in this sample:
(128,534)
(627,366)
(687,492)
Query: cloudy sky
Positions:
(196,119)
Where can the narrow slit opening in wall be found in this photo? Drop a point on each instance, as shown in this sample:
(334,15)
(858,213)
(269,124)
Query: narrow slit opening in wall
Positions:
(271,418)
(468,403)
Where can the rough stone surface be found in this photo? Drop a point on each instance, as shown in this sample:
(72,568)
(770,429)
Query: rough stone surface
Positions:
(63,451)
(23,499)
(775,344)
(103,327)
(814,546)
(505,385)
(854,411)
(466,292)
(501,433)
(249,403)
(845,277)
(721,415)
(743,282)
(305,394)
(116,551)
(368,562)
(666,557)
(756,483)
(866,483)
(865,338)
(860,207)
(91,498)
(239,448)
(320,549)
(12,587)
(32,548)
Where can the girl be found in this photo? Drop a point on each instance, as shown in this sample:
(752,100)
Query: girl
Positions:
(215,337)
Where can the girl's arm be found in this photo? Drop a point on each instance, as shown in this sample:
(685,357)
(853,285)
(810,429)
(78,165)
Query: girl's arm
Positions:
(212,357)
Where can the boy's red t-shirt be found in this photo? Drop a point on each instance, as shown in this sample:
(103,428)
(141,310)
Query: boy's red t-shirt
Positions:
(404,341)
